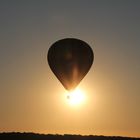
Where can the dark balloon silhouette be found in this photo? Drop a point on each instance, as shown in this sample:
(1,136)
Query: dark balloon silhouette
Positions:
(70,59)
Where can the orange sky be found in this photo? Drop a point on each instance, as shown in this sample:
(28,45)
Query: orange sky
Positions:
(31,97)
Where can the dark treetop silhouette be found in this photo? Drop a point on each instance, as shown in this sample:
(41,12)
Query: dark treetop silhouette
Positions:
(70,59)
(33,136)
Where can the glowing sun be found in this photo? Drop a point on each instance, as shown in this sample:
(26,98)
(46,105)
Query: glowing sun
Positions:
(76,97)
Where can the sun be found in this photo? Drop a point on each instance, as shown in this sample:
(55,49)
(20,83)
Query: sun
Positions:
(76,97)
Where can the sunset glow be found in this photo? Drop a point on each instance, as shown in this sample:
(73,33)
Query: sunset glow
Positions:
(76,97)
(35,97)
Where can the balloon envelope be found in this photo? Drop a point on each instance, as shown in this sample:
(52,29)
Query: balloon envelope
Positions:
(70,59)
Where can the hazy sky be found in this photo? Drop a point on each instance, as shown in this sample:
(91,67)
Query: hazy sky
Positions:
(31,97)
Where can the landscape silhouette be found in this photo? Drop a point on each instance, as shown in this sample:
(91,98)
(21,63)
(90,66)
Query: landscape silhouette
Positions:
(35,136)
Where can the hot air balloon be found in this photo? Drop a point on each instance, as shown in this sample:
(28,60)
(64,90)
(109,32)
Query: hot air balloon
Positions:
(70,60)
